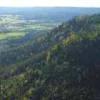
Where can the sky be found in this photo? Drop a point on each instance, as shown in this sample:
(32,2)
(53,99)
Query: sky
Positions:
(50,3)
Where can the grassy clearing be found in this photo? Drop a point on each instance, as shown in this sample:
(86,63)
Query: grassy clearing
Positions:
(11,35)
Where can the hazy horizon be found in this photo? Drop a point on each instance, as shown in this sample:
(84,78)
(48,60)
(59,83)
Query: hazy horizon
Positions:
(50,3)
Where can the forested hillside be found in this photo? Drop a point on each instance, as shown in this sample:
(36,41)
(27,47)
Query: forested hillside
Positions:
(63,64)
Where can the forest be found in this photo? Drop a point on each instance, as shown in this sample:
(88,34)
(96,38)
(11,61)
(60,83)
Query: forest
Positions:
(60,61)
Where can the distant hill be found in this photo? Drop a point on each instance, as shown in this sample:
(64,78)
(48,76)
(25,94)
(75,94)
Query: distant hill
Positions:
(54,13)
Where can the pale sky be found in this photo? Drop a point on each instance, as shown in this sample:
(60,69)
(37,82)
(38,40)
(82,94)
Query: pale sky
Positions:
(50,3)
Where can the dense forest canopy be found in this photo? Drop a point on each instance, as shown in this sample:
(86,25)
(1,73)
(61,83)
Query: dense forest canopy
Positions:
(63,64)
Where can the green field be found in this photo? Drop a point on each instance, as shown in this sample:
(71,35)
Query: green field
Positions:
(13,26)
(13,35)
